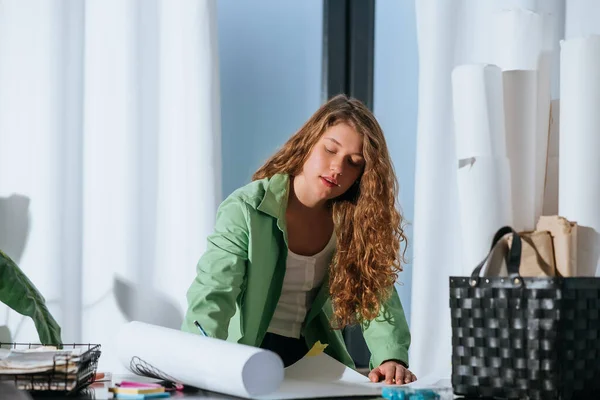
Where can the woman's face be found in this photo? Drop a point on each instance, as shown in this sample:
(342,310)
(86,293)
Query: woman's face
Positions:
(335,162)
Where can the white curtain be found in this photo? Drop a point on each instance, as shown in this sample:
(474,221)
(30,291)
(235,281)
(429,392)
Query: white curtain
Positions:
(110,167)
(451,33)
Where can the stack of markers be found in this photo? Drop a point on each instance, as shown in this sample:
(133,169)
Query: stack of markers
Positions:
(139,390)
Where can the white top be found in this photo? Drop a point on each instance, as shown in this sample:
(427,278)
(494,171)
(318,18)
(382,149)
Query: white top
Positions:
(303,278)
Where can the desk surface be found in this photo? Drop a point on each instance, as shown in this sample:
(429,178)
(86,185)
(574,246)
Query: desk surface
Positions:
(102,393)
(99,391)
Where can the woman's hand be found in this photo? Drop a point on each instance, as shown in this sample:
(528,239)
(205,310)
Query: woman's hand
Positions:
(392,372)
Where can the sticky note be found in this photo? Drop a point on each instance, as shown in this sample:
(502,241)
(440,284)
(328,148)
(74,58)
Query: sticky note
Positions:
(316,349)
(139,390)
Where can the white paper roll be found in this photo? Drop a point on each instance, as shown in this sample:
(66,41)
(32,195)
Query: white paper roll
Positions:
(520,111)
(579,162)
(542,130)
(518,39)
(551,186)
(202,362)
(547,58)
(485,206)
(524,41)
(478,111)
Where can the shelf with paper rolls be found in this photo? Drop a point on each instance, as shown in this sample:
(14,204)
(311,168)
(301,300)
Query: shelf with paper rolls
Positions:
(72,367)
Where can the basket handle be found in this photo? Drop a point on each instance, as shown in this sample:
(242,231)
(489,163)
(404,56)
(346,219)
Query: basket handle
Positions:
(513,257)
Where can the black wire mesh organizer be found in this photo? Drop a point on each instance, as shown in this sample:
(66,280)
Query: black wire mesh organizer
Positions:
(68,374)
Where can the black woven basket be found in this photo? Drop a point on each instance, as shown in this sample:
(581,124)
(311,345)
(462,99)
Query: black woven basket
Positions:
(525,338)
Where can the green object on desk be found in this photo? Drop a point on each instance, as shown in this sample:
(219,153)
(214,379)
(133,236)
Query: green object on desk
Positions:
(20,294)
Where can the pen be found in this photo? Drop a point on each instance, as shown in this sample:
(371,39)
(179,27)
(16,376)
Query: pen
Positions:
(199,327)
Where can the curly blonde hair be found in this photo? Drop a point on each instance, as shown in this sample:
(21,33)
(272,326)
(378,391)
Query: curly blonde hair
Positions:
(367,224)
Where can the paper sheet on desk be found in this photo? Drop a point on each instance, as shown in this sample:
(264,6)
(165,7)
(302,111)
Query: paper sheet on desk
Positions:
(235,369)
(322,376)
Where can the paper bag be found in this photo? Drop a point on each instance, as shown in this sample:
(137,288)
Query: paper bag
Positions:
(537,254)
(564,239)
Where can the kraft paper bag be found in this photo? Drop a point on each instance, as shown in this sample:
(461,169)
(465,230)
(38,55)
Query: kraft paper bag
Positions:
(537,256)
(564,239)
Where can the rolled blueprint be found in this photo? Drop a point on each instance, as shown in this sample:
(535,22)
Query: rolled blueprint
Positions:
(547,59)
(485,205)
(478,111)
(524,40)
(202,362)
(542,131)
(551,184)
(579,162)
(520,113)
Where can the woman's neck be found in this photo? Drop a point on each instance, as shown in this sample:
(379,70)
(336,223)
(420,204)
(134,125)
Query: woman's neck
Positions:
(300,202)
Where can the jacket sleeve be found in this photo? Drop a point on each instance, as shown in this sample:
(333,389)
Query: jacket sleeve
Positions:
(220,272)
(387,336)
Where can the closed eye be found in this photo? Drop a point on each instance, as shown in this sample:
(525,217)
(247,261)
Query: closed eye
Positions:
(329,150)
(355,163)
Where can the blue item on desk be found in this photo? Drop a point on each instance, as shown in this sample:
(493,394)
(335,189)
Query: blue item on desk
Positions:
(142,396)
(400,393)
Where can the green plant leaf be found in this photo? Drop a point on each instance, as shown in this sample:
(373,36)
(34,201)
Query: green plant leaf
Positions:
(20,294)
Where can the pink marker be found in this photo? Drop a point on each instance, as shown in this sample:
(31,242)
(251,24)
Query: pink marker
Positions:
(168,387)
(131,384)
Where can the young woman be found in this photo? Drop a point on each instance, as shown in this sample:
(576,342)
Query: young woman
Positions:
(310,246)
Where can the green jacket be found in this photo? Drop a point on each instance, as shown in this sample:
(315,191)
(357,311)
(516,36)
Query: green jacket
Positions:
(240,276)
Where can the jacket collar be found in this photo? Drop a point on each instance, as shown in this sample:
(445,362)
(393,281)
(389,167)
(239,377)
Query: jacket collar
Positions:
(276,196)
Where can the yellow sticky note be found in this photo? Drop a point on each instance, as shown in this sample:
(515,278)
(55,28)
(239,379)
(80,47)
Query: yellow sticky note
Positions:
(316,349)
(140,390)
